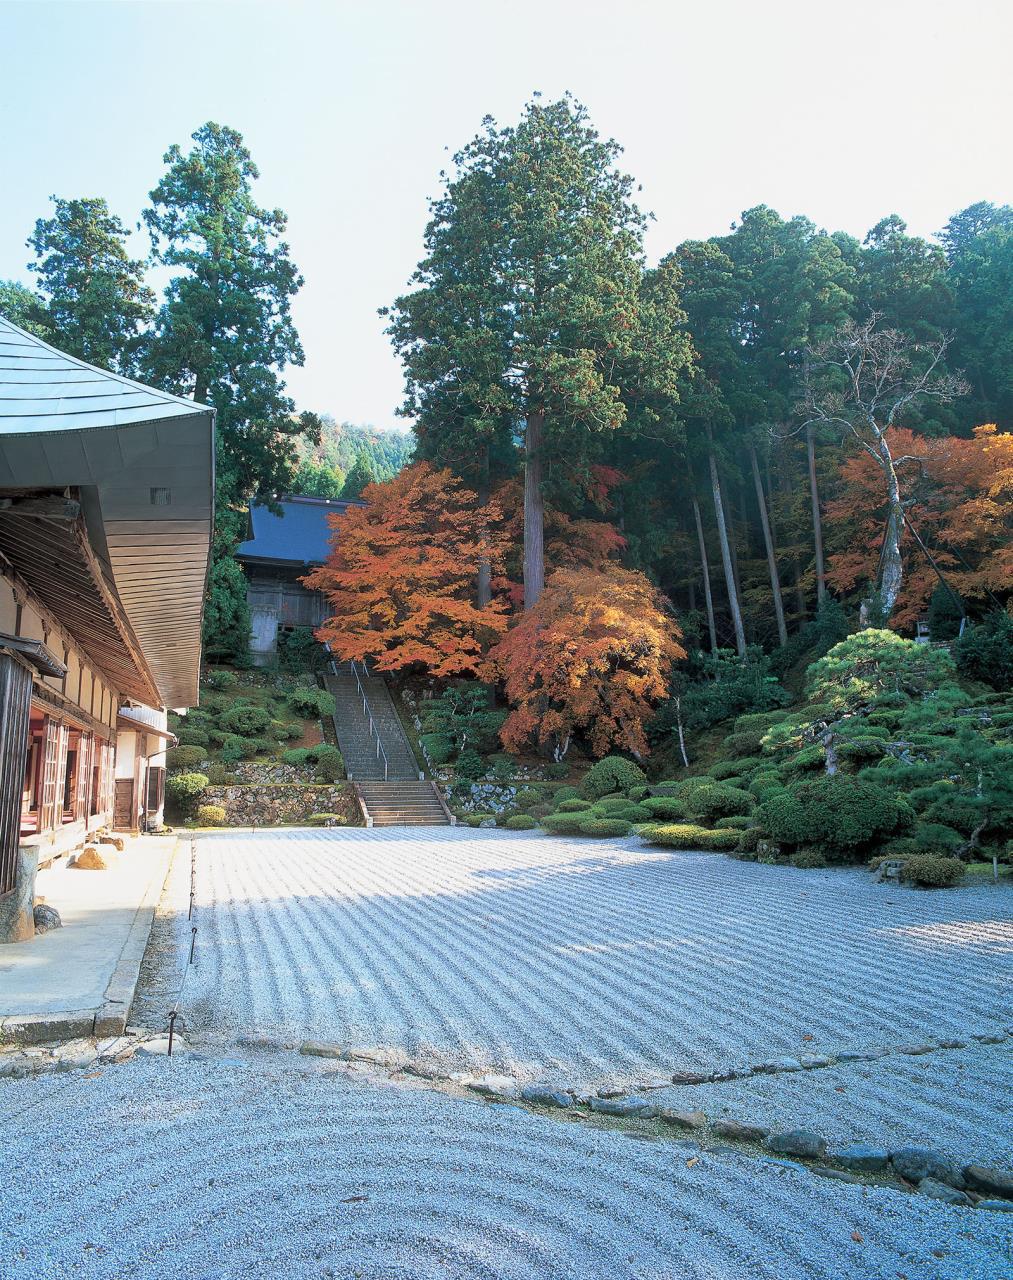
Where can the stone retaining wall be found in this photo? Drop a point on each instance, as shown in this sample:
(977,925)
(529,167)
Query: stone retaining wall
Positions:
(282,803)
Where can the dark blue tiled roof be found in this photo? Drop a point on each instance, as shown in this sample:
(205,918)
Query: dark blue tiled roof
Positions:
(301,535)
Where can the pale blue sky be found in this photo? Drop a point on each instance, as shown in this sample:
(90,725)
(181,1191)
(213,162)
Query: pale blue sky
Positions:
(845,111)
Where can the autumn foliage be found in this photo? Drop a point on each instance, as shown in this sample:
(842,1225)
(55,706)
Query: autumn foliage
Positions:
(592,656)
(962,510)
(401,579)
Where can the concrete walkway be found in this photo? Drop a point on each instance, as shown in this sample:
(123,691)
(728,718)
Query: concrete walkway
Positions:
(79,980)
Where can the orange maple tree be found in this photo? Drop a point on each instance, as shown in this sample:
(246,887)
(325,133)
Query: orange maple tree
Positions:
(592,656)
(402,577)
(959,495)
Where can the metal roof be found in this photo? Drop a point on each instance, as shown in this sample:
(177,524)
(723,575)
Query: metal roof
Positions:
(143,461)
(301,535)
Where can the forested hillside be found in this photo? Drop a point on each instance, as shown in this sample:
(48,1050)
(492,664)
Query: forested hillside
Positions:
(347,457)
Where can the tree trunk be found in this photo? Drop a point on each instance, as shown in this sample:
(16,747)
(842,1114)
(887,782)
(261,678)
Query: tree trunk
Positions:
(484,567)
(708,598)
(682,734)
(891,566)
(768,542)
(814,493)
(534,510)
(726,558)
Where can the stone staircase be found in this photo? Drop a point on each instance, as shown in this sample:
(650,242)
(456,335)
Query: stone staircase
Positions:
(378,756)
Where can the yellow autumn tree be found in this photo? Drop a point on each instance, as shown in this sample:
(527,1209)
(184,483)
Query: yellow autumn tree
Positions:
(591,657)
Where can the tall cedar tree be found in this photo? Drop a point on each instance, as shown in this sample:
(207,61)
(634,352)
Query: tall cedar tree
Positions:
(400,579)
(593,657)
(98,304)
(224,333)
(958,526)
(525,309)
(25,309)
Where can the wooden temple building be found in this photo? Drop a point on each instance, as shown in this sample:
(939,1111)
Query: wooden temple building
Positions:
(106,506)
(284,545)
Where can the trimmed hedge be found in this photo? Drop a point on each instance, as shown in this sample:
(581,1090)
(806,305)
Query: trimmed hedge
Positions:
(564,793)
(612,773)
(573,806)
(439,747)
(735,822)
(684,835)
(932,872)
(191,735)
(807,859)
(564,824)
(520,822)
(185,789)
(604,827)
(323,819)
(181,759)
(841,815)
(311,703)
(717,800)
(245,720)
(664,807)
(210,815)
(612,805)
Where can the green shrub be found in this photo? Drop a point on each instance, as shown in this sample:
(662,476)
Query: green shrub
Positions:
(232,754)
(747,743)
(932,871)
(675,788)
(762,785)
(716,800)
(611,804)
(624,812)
(564,793)
(749,839)
(285,732)
(722,770)
(936,837)
(604,827)
(469,764)
(734,822)
(297,756)
(328,763)
(558,769)
(985,651)
(573,806)
(192,735)
(664,807)
(184,790)
(637,794)
(684,835)
(439,747)
(540,810)
(476,819)
(182,759)
(210,815)
(807,859)
(327,820)
(520,822)
(840,815)
(612,773)
(245,720)
(758,721)
(564,824)
(218,679)
(311,703)
(217,776)
(299,650)
(526,797)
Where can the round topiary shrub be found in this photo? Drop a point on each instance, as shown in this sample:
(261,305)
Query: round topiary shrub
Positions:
(735,822)
(246,720)
(520,822)
(764,784)
(573,806)
(933,837)
(717,800)
(216,774)
(637,794)
(183,790)
(540,810)
(601,828)
(807,859)
(612,773)
(722,770)
(563,824)
(931,871)
(218,679)
(470,765)
(664,807)
(685,835)
(192,735)
(612,805)
(328,763)
(311,703)
(296,756)
(210,815)
(558,769)
(564,793)
(749,839)
(840,815)
(181,759)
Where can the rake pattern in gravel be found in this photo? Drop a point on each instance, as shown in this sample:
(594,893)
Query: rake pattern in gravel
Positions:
(587,959)
(199,1169)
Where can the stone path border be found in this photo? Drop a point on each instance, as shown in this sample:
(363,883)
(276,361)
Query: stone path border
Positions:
(110,1018)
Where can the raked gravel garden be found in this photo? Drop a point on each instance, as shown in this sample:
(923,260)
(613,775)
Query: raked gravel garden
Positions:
(412,1053)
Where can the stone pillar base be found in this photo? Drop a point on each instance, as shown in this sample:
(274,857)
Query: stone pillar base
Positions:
(17,922)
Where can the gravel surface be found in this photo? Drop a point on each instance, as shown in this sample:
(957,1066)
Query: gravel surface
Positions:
(201,1169)
(582,958)
(957,1101)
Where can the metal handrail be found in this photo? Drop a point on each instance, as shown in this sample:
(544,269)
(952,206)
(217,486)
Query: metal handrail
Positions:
(380,752)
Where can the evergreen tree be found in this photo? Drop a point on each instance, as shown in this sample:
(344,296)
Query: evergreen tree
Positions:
(526,305)
(25,309)
(98,303)
(361,474)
